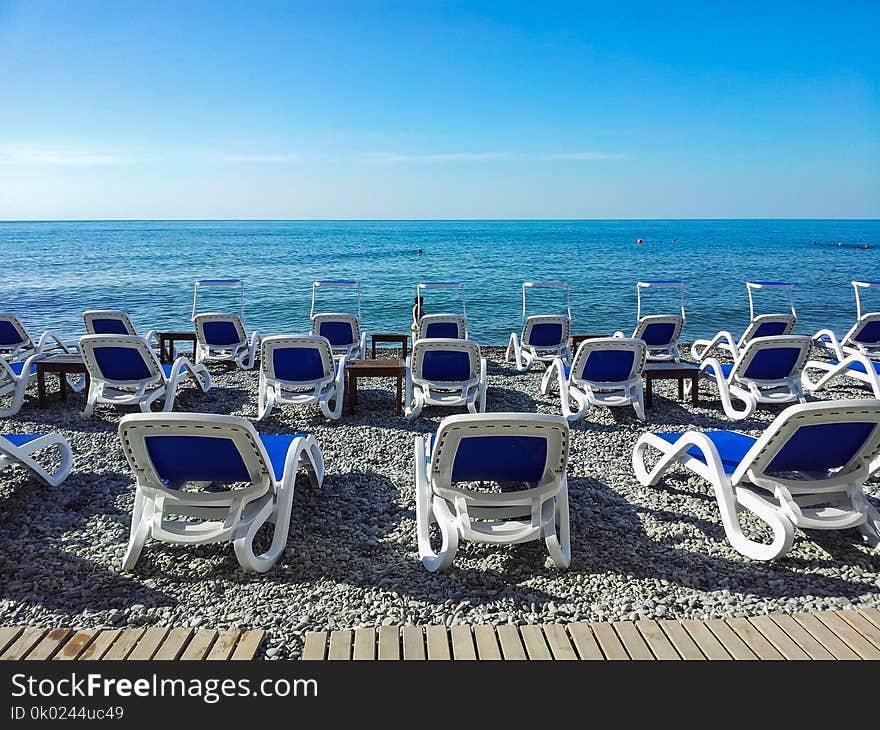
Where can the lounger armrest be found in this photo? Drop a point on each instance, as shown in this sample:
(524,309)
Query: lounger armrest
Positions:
(832,342)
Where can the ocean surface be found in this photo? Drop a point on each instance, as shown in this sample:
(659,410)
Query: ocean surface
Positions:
(52,271)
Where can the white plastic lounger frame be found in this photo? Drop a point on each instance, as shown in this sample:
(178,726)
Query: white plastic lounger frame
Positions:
(858,367)
(606,371)
(124,370)
(222,337)
(761,325)
(445,372)
(441,324)
(493,447)
(200,284)
(20,449)
(14,379)
(768,370)
(170,451)
(660,332)
(113,322)
(298,370)
(863,338)
(807,470)
(342,330)
(544,336)
(16,343)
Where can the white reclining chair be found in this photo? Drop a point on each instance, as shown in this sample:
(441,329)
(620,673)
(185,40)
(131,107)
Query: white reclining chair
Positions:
(507,448)
(856,367)
(441,326)
(863,338)
(660,332)
(222,337)
(544,336)
(123,370)
(14,379)
(299,370)
(21,448)
(760,325)
(445,372)
(768,370)
(807,470)
(606,371)
(113,322)
(176,455)
(342,330)
(16,343)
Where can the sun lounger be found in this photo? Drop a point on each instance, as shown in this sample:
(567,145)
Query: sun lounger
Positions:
(445,372)
(20,449)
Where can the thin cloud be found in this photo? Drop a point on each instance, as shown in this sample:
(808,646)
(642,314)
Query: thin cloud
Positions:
(269,158)
(53,156)
(395,158)
(587,156)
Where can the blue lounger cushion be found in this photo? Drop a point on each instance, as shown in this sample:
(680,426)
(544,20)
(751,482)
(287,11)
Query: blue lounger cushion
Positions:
(857,366)
(106,326)
(608,366)
(726,369)
(500,459)
(731,446)
(772,364)
(771,329)
(20,439)
(338,333)
(820,447)
(449,366)
(869,334)
(9,336)
(17,367)
(221,334)
(121,363)
(444,330)
(298,364)
(545,334)
(658,334)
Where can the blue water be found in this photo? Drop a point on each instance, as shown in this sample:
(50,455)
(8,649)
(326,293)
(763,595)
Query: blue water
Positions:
(53,271)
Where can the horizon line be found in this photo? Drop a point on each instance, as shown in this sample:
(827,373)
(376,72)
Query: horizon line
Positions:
(404,220)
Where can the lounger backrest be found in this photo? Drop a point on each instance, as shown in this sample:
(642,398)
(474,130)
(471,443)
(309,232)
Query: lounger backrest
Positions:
(13,335)
(773,358)
(219,330)
(108,322)
(341,330)
(546,331)
(609,360)
(500,447)
(659,330)
(829,441)
(768,325)
(170,449)
(120,359)
(443,326)
(867,330)
(297,359)
(451,361)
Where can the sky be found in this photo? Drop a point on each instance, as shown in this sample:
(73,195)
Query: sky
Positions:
(370,110)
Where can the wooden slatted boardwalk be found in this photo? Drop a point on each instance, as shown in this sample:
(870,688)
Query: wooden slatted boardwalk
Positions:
(155,643)
(853,634)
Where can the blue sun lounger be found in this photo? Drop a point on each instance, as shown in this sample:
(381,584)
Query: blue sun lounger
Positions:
(445,372)
(19,449)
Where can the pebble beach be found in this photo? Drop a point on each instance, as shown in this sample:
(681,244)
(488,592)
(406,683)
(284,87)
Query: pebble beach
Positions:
(351,559)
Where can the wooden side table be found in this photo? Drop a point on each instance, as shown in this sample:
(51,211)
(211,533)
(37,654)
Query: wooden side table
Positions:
(64,365)
(382,368)
(679,371)
(166,344)
(402,340)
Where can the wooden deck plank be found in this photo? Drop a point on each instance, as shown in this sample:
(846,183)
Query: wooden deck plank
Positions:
(389,643)
(872,614)
(536,646)
(656,640)
(584,641)
(559,643)
(803,638)
(705,639)
(49,644)
(364,644)
(199,645)
(173,644)
(632,640)
(825,636)
(224,646)
(315,646)
(608,641)
(754,639)
(100,645)
(340,645)
(8,634)
(149,644)
(123,645)
(862,625)
(847,634)
(511,644)
(437,639)
(735,646)
(681,640)
(75,645)
(26,641)
(413,643)
(248,645)
(462,643)
(784,644)
(487,643)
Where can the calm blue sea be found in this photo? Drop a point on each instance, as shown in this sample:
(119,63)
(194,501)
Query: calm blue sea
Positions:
(53,271)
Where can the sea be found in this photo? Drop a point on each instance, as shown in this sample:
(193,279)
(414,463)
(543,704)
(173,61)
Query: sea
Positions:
(53,271)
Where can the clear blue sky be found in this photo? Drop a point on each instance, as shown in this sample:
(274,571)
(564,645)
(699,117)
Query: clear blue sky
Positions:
(439,109)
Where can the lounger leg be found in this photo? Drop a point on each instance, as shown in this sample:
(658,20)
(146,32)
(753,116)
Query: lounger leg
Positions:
(141,517)
(426,516)
(483,385)
(638,400)
(558,541)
